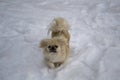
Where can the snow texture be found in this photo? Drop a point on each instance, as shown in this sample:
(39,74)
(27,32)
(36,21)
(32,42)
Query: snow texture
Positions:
(95,39)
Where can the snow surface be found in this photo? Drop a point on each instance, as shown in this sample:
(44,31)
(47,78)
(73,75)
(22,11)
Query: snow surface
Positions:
(95,39)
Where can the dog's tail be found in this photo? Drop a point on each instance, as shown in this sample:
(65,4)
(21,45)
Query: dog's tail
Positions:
(58,24)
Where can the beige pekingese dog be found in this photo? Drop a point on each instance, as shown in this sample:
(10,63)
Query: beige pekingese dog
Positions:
(56,49)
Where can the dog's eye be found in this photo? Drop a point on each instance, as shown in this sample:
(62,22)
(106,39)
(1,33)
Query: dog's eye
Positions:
(49,46)
(56,46)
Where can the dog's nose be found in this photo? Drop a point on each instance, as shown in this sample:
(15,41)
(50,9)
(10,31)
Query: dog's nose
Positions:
(52,49)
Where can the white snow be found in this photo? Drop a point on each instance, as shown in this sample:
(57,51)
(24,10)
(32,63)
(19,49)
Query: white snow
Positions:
(95,39)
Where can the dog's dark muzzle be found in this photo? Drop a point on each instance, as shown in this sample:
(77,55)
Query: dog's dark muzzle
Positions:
(52,48)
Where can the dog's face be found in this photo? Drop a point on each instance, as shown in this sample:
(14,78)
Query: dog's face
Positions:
(52,46)
(54,49)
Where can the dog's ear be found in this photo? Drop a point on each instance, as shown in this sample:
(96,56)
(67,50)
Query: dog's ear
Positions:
(43,43)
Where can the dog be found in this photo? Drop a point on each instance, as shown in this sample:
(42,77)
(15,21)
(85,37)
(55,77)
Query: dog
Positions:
(56,49)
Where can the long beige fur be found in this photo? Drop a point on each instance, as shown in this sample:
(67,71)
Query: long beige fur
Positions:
(59,36)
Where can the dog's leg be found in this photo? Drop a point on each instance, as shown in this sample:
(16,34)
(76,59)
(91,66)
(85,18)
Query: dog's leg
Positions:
(50,64)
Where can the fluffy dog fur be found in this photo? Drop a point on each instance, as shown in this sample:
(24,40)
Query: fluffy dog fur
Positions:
(56,49)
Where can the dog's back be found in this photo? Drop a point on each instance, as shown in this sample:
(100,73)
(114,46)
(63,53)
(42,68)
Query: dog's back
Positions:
(63,34)
(59,28)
